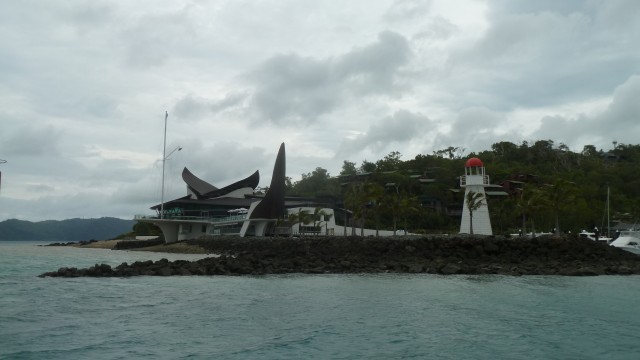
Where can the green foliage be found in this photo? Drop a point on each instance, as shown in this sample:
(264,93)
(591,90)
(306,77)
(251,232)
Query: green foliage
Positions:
(560,188)
(146,229)
(316,183)
(348,168)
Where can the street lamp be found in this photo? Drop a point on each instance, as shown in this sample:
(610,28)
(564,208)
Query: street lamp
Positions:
(178,148)
(165,157)
(1,162)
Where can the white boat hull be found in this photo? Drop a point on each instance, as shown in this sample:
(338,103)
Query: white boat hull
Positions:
(628,242)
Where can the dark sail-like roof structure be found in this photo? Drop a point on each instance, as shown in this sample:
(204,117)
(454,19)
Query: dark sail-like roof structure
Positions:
(251,181)
(195,184)
(203,190)
(272,206)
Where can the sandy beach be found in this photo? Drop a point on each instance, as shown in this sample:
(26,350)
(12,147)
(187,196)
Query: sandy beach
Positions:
(176,248)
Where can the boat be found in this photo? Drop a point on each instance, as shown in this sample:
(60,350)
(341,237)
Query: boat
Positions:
(628,241)
(584,234)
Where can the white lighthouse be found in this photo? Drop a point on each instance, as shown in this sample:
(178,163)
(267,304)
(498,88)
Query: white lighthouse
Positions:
(474,179)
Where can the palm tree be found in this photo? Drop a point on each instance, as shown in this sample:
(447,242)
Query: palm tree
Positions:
(559,196)
(355,197)
(320,212)
(473,201)
(374,194)
(530,202)
(301,217)
(408,205)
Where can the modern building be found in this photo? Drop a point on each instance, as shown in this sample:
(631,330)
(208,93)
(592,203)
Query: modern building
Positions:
(207,211)
(231,210)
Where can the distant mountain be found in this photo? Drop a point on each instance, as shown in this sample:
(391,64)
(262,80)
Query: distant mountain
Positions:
(64,230)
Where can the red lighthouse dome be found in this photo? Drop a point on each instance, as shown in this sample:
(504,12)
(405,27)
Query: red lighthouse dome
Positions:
(474,162)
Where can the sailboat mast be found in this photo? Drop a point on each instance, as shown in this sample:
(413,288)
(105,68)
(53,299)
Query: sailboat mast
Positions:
(608,222)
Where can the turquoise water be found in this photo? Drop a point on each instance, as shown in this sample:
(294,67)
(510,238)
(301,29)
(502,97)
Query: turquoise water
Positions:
(306,316)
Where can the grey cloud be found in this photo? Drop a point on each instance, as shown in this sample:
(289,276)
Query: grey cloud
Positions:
(40,188)
(403,10)
(531,57)
(500,8)
(618,122)
(474,129)
(291,88)
(191,108)
(374,68)
(91,16)
(147,44)
(30,141)
(224,162)
(625,107)
(403,126)
(476,120)
(436,28)
(618,16)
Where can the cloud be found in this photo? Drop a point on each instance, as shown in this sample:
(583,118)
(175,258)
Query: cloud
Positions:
(402,126)
(474,129)
(618,122)
(536,57)
(84,89)
(193,107)
(30,141)
(294,89)
(403,10)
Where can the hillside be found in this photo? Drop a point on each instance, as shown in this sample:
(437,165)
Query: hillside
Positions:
(64,230)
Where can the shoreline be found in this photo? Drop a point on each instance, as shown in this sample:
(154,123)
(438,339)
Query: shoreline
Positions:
(174,248)
(546,255)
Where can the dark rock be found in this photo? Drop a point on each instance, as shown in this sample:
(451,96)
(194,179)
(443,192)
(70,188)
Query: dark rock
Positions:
(444,255)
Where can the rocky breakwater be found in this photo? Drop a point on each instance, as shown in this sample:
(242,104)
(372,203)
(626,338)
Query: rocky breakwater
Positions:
(436,255)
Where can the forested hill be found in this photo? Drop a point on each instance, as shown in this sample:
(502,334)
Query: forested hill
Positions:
(64,230)
(537,186)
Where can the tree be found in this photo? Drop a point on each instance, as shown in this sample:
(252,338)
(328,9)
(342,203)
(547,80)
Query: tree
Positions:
(374,193)
(317,182)
(367,167)
(408,205)
(354,199)
(319,212)
(473,200)
(390,162)
(348,168)
(529,202)
(558,196)
(302,217)
(146,229)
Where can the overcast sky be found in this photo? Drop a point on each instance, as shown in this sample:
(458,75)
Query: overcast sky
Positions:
(84,86)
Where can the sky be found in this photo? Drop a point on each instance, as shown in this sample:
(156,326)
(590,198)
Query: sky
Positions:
(84,86)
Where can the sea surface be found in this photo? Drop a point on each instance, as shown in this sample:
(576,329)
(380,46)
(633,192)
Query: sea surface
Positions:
(387,316)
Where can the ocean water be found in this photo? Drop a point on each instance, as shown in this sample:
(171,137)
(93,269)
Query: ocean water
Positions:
(388,316)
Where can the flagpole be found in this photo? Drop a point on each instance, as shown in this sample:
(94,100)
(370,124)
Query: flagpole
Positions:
(164,159)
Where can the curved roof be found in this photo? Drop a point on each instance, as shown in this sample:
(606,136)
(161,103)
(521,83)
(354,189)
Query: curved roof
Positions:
(195,184)
(251,181)
(474,162)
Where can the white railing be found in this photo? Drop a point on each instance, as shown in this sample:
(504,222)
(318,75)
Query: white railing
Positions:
(463,180)
(197,218)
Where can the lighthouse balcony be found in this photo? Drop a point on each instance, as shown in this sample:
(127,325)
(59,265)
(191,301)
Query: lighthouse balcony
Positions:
(474,180)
